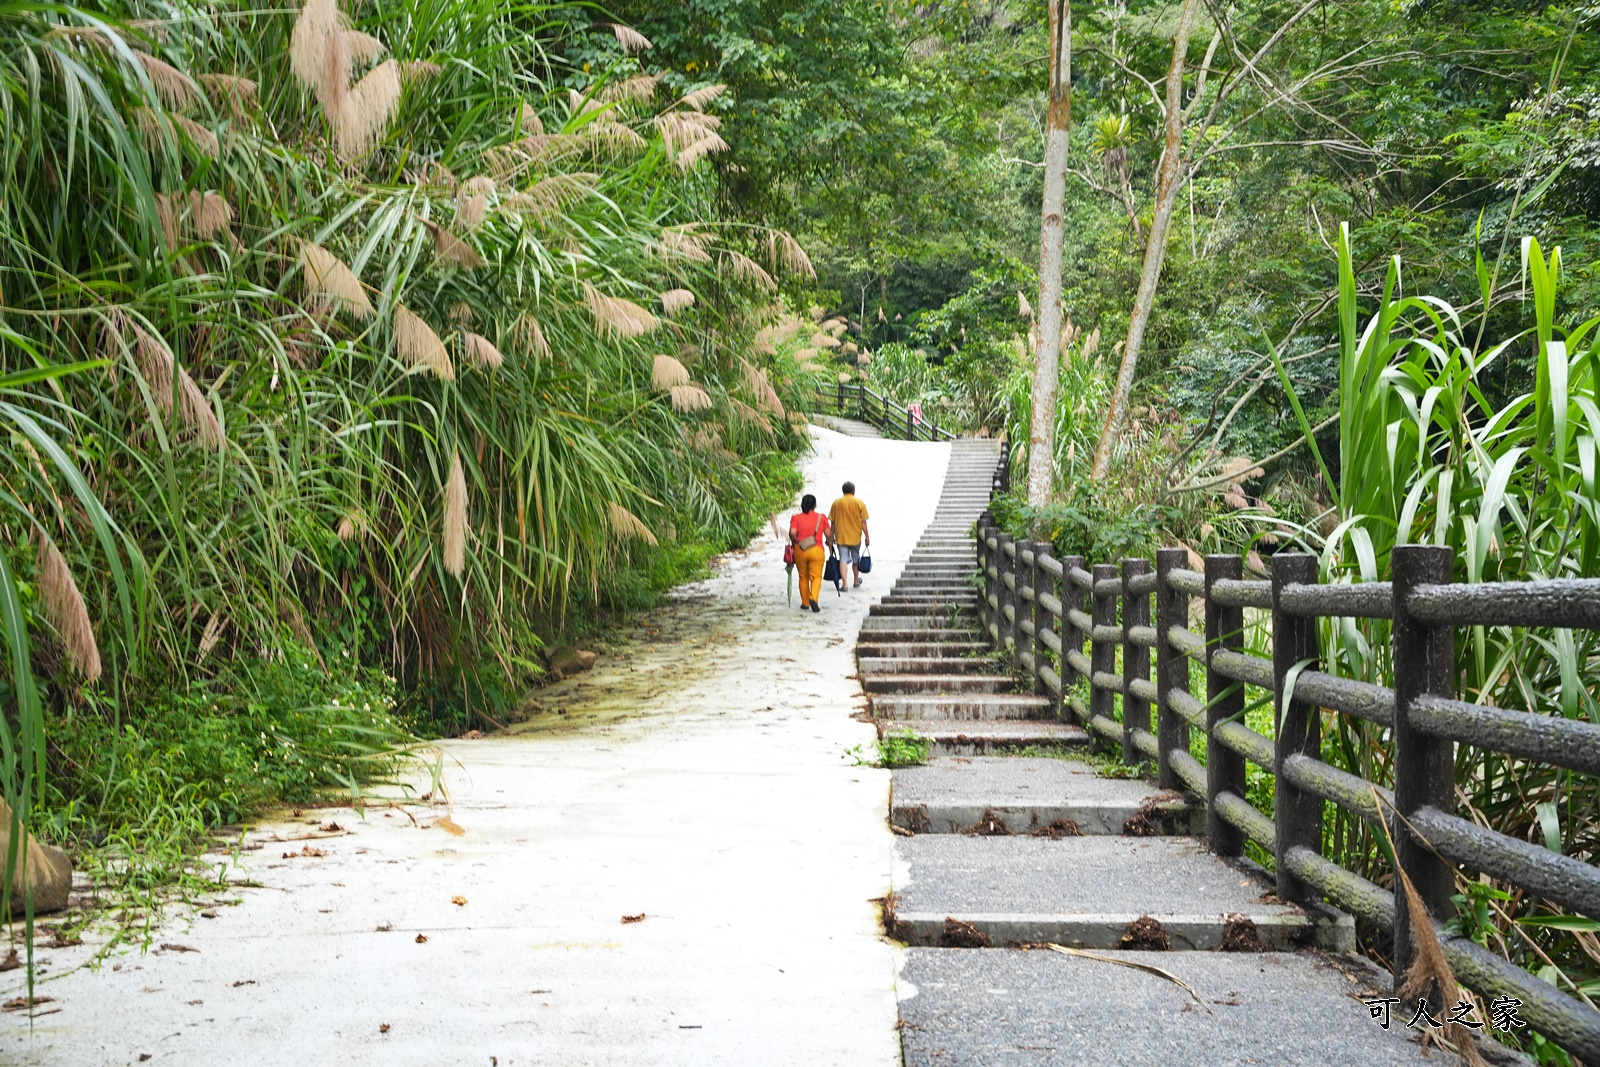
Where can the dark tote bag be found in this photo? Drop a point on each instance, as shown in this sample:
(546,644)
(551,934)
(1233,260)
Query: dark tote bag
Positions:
(830,572)
(865,563)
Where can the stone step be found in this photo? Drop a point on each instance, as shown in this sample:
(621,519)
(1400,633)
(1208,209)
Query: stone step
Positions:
(942,684)
(869,649)
(983,738)
(959,707)
(875,666)
(1085,891)
(941,621)
(1031,795)
(920,609)
(931,601)
(929,634)
(1048,1009)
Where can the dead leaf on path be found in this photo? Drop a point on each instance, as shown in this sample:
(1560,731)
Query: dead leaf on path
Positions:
(383,1028)
(24,1002)
(173,946)
(639,918)
(459,902)
(308,852)
(447,824)
(385,928)
(331,828)
(422,939)
(63,942)
(1145,967)
(244,981)
(11,962)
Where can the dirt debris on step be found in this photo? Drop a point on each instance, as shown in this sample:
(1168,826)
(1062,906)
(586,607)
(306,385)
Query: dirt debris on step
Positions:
(990,824)
(1058,829)
(1145,933)
(1239,934)
(960,934)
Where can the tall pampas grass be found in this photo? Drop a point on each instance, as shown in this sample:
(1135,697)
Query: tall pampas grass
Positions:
(639,89)
(473,205)
(452,250)
(689,397)
(163,128)
(529,334)
(363,47)
(702,96)
(173,87)
(230,92)
(64,607)
(419,346)
(455,517)
(746,270)
(326,275)
(528,120)
(686,242)
(552,193)
(616,317)
(667,372)
(366,110)
(785,253)
(480,350)
(758,385)
(632,41)
(676,300)
(319,54)
(160,370)
(626,524)
(210,213)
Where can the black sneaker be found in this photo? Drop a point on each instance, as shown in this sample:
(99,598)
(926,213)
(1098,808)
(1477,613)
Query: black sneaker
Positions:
(815,608)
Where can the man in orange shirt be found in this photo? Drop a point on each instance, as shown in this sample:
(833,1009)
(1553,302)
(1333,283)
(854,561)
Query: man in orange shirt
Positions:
(849,519)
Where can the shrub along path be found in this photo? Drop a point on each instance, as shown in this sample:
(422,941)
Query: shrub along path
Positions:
(692,783)
(1002,852)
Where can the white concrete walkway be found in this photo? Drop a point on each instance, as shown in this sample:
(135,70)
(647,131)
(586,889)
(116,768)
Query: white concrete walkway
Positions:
(695,778)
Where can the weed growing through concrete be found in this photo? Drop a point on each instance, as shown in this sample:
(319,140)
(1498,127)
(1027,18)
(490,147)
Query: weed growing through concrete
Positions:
(905,748)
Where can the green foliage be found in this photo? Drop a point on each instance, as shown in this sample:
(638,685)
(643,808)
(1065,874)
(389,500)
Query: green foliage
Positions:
(902,748)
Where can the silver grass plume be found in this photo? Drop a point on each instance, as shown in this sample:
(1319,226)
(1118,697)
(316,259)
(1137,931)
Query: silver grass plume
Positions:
(414,71)
(529,335)
(666,372)
(480,350)
(699,149)
(626,524)
(452,250)
(528,120)
(702,96)
(786,253)
(632,41)
(473,205)
(676,300)
(686,243)
(617,317)
(324,274)
(689,397)
(172,86)
(167,215)
(367,109)
(363,47)
(211,634)
(639,89)
(455,517)
(552,193)
(63,606)
(163,128)
(748,271)
(419,346)
(210,213)
(319,54)
(159,368)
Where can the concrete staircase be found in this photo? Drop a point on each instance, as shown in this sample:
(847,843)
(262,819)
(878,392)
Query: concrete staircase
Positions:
(1001,850)
(848,427)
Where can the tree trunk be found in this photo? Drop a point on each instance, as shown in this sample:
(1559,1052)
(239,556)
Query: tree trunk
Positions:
(1046,365)
(1168,185)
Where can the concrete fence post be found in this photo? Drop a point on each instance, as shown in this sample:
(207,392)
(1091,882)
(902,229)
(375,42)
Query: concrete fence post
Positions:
(1224,701)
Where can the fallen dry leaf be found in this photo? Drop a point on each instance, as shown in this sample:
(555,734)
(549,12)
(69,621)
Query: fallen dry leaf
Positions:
(383,1028)
(422,939)
(11,962)
(458,901)
(24,1002)
(173,946)
(332,828)
(639,918)
(448,824)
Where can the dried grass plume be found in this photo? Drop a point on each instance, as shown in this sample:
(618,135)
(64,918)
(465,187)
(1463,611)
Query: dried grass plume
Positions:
(632,41)
(626,524)
(325,275)
(667,372)
(64,607)
(480,350)
(676,300)
(419,346)
(689,397)
(617,317)
(455,517)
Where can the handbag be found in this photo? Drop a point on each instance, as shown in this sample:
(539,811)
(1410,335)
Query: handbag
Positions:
(807,542)
(830,569)
(788,555)
(864,565)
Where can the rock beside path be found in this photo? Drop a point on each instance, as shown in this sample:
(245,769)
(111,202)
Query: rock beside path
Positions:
(567,660)
(43,870)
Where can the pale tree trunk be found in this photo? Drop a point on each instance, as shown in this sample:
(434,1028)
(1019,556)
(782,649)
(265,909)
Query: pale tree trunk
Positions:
(1168,184)
(1046,364)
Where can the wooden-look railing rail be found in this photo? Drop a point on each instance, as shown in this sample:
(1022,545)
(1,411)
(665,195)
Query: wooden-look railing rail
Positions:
(1046,611)
(855,401)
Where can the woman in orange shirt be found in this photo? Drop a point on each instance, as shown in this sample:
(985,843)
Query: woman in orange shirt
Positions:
(807,531)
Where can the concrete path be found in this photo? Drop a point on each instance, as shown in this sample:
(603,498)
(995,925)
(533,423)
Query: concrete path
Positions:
(695,780)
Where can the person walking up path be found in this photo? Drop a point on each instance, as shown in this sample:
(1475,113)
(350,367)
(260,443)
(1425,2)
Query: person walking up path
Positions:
(849,518)
(807,532)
